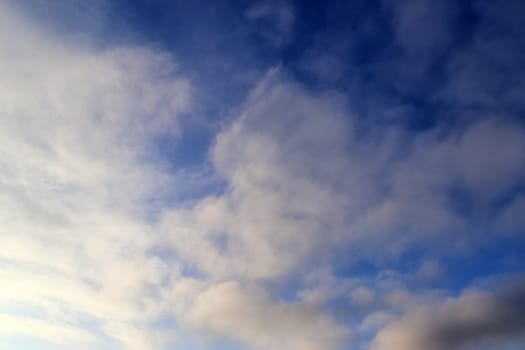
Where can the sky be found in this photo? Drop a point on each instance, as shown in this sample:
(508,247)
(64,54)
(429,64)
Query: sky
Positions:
(262,175)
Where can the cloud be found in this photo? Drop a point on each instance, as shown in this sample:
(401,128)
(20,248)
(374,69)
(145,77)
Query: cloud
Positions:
(483,159)
(77,123)
(511,218)
(421,27)
(56,333)
(429,270)
(422,32)
(279,14)
(250,315)
(282,209)
(309,187)
(458,323)
(485,74)
(279,199)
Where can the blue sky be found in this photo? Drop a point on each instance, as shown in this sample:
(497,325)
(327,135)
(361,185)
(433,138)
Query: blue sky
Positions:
(262,175)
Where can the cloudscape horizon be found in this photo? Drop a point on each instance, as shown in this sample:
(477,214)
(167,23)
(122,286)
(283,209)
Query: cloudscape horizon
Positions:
(262,175)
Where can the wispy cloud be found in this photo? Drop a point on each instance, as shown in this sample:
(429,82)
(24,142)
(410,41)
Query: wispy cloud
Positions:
(75,126)
(279,15)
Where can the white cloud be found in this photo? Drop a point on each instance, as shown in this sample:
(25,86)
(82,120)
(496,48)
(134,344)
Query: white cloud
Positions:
(76,122)
(75,180)
(375,321)
(250,315)
(301,182)
(280,201)
(282,209)
(362,296)
(56,333)
(429,270)
(459,323)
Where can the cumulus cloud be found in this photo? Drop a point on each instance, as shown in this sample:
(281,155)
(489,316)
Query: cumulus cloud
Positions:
(472,319)
(282,208)
(59,334)
(282,211)
(307,186)
(250,315)
(279,199)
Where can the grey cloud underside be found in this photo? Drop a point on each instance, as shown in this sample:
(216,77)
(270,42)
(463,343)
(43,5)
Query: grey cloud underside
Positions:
(469,322)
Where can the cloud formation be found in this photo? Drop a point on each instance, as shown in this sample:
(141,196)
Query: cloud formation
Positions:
(386,184)
(252,317)
(459,323)
(282,211)
(76,122)
(336,222)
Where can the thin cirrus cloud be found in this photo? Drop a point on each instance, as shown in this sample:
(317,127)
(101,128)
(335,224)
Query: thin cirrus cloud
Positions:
(329,231)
